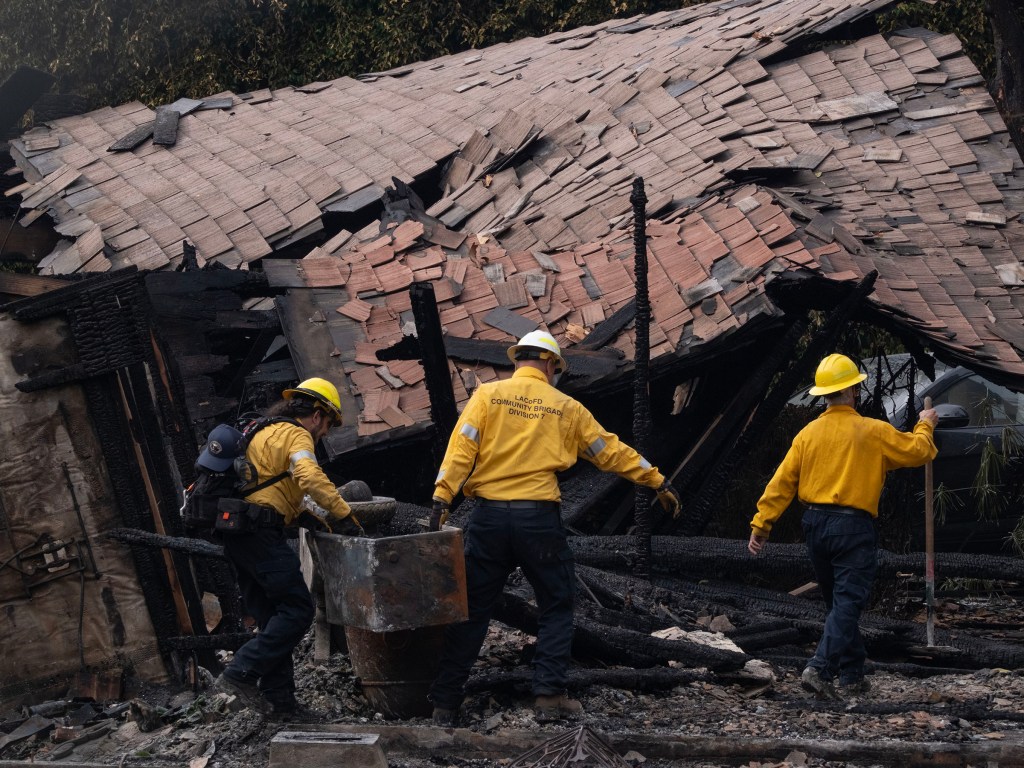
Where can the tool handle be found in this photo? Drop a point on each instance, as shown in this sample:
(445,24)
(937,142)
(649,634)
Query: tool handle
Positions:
(929,547)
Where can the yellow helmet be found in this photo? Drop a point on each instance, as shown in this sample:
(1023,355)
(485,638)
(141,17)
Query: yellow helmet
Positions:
(321,390)
(834,373)
(543,341)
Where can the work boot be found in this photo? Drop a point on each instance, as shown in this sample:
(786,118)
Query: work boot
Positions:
(446,718)
(812,681)
(555,706)
(247,693)
(855,688)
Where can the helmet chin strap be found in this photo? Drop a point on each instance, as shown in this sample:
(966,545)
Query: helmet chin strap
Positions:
(555,374)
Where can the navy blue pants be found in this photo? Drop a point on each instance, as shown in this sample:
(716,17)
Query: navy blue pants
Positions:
(843,551)
(275,595)
(497,539)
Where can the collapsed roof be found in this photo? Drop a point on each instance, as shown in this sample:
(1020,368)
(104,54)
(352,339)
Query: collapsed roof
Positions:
(760,159)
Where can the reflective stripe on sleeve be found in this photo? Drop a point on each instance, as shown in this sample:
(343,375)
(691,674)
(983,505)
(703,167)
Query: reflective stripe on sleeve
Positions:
(298,456)
(439,478)
(644,463)
(596,447)
(471,432)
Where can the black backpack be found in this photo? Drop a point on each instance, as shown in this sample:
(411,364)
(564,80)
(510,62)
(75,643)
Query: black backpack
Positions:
(223,472)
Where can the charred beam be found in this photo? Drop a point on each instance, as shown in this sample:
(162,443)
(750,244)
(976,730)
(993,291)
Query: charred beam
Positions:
(637,680)
(58,300)
(870,667)
(443,409)
(706,557)
(614,645)
(641,375)
(182,544)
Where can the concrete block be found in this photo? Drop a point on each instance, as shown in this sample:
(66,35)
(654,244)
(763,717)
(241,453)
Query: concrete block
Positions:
(326,750)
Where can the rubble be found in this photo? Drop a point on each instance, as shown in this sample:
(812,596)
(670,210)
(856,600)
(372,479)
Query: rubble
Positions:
(970,713)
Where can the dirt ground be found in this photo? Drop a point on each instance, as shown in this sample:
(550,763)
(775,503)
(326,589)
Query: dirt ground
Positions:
(168,727)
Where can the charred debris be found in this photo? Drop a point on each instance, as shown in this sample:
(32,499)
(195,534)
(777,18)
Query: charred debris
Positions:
(753,178)
(158,357)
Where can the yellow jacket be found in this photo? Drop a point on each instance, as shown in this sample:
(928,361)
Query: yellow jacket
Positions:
(841,459)
(287,447)
(514,435)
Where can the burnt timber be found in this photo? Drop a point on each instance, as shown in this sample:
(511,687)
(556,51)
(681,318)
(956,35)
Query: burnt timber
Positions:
(798,166)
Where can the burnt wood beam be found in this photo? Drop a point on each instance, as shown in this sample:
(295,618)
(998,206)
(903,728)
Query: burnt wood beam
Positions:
(443,410)
(174,407)
(882,636)
(59,299)
(183,544)
(647,680)
(161,491)
(58,378)
(129,498)
(641,375)
(104,324)
(585,366)
(203,292)
(618,646)
(749,605)
(518,613)
(625,619)
(708,557)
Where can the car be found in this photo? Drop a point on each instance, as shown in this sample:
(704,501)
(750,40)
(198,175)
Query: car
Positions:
(979,470)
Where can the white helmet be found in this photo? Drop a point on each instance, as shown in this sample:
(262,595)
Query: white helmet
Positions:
(543,341)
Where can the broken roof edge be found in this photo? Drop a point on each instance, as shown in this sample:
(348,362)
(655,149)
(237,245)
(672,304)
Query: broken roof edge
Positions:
(812,290)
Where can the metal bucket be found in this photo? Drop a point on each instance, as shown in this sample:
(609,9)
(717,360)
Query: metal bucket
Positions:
(394,595)
(395,669)
(392,583)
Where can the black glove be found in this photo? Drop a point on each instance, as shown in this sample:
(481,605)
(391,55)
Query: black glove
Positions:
(669,499)
(313,522)
(438,515)
(348,525)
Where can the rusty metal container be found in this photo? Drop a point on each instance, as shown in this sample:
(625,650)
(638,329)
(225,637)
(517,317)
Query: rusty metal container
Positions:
(393,583)
(395,669)
(394,595)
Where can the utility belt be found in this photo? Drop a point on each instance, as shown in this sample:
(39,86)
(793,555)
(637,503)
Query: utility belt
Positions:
(229,515)
(239,516)
(542,506)
(835,509)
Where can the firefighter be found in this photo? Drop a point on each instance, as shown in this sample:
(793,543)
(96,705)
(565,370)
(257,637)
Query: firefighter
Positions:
(269,578)
(836,466)
(509,442)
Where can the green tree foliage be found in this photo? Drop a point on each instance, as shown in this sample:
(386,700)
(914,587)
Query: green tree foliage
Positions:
(113,51)
(967,19)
